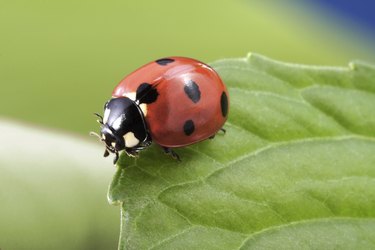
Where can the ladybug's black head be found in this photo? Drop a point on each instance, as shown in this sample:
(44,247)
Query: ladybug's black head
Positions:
(122,126)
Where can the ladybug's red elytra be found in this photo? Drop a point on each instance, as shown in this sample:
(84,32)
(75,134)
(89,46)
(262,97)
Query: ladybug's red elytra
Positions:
(174,101)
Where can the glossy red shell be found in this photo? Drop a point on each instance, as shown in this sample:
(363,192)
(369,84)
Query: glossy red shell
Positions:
(167,116)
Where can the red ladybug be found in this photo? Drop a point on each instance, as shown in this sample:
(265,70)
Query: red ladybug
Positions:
(174,101)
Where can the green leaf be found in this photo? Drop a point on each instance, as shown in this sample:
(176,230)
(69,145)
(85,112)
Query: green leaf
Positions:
(295,169)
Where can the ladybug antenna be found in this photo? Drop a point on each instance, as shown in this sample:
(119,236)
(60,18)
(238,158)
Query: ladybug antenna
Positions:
(100,118)
(95,134)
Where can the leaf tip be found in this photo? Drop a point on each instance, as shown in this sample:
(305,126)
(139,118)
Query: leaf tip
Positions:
(112,200)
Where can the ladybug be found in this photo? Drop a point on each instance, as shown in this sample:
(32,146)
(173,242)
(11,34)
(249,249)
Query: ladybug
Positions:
(174,101)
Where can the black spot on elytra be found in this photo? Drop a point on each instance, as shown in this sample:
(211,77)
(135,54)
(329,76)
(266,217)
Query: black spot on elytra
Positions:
(164,61)
(146,93)
(189,127)
(192,91)
(224,104)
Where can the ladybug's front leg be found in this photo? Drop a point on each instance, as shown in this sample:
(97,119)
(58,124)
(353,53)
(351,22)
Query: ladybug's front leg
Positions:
(132,152)
(170,152)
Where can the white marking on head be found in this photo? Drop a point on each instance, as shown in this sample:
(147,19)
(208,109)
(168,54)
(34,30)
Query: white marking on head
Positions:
(106,115)
(143,107)
(117,123)
(130,95)
(113,144)
(130,140)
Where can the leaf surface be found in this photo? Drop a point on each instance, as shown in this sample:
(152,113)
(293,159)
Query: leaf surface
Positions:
(296,167)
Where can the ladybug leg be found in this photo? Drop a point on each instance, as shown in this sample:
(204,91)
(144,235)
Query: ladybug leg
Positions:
(170,152)
(147,142)
(132,152)
(213,136)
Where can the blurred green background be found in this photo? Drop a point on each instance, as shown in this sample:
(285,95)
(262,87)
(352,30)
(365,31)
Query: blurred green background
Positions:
(60,60)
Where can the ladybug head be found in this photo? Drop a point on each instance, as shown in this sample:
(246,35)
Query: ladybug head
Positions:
(113,142)
(122,126)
